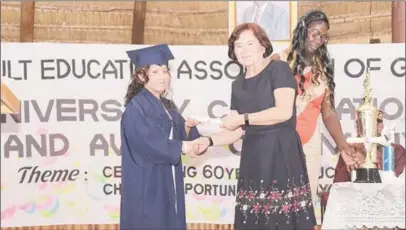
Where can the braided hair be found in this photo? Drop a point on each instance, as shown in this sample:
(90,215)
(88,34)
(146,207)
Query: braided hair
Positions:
(136,85)
(321,59)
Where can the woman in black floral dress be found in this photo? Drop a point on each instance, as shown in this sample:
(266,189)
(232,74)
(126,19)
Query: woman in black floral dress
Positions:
(273,185)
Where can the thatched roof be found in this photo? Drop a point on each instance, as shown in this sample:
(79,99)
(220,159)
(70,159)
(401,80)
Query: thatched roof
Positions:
(178,22)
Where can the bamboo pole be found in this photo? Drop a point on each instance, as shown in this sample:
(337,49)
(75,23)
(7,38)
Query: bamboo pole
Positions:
(27,21)
(398,21)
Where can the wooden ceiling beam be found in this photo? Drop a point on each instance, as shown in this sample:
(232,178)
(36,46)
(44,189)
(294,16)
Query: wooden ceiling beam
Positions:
(138,27)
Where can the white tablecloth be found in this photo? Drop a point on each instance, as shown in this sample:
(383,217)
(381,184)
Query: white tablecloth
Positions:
(354,205)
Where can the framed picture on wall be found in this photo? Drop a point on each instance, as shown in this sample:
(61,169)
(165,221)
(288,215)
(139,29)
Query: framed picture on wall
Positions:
(277,18)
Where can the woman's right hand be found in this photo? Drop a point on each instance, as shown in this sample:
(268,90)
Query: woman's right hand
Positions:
(353,155)
(202,144)
(347,152)
(232,121)
(190,123)
(190,148)
(195,147)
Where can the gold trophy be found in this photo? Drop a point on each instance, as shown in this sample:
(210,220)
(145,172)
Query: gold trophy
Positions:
(366,120)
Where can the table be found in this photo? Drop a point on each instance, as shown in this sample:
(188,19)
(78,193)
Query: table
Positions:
(355,205)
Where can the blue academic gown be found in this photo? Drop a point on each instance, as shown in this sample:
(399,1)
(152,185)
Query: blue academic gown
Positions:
(147,189)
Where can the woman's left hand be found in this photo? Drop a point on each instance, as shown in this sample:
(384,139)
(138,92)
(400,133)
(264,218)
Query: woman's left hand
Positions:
(190,123)
(232,121)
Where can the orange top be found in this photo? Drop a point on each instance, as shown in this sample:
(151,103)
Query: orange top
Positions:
(309,107)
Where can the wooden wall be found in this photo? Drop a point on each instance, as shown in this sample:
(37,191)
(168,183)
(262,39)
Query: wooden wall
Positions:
(357,21)
(189,22)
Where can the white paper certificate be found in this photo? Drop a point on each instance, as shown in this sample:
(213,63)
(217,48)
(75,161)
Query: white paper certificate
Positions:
(207,120)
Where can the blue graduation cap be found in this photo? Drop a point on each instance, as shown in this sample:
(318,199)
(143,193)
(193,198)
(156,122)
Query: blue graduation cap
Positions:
(153,55)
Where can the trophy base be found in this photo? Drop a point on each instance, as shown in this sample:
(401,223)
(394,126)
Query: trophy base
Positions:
(367,175)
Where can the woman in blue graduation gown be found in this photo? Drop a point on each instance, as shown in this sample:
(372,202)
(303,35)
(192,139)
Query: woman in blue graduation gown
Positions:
(153,137)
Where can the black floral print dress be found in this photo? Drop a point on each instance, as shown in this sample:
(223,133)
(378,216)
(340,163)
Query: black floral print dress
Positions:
(273,186)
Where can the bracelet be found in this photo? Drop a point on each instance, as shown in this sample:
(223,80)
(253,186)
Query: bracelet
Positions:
(210,141)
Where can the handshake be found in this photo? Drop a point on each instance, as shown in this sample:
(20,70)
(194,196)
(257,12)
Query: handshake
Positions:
(196,147)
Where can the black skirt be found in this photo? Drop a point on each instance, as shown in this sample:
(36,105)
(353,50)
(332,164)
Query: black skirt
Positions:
(273,186)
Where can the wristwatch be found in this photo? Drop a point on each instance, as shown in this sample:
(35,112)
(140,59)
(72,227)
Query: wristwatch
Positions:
(247,122)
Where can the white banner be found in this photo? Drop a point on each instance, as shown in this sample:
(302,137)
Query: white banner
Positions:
(61,163)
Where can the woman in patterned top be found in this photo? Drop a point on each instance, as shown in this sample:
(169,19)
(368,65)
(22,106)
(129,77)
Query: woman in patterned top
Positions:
(310,62)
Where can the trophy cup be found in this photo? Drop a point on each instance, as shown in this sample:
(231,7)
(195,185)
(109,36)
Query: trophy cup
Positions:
(366,120)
